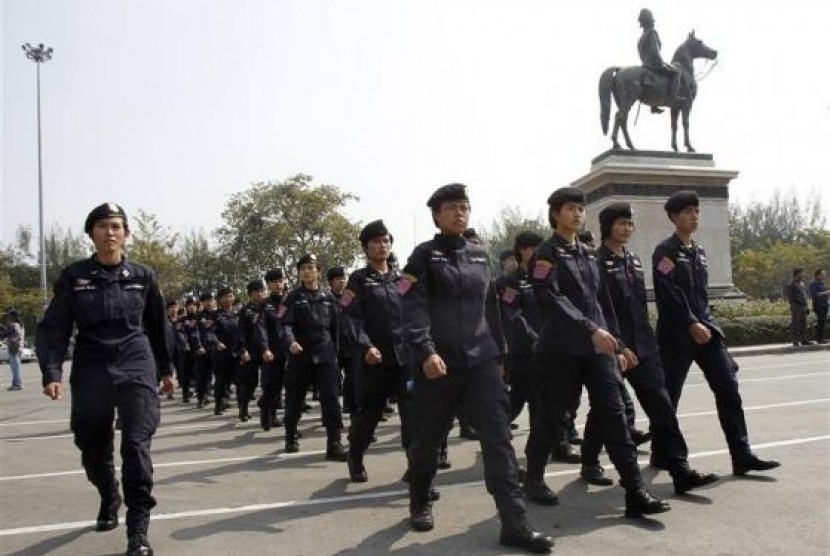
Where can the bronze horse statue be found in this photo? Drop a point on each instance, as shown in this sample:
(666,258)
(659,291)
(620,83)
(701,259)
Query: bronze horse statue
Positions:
(636,83)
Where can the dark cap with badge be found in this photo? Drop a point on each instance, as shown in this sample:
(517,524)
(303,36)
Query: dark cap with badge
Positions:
(190,300)
(681,200)
(506,254)
(255,286)
(105,210)
(274,274)
(206,296)
(527,239)
(566,195)
(609,215)
(172,303)
(450,192)
(335,272)
(371,230)
(223,291)
(308,258)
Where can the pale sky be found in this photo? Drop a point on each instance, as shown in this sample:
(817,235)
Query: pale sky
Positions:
(172,105)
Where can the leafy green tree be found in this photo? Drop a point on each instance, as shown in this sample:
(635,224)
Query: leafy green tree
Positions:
(786,217)
(155,246)
(204,269)
(273,224)
(763,272)
(502,232)
(62,248)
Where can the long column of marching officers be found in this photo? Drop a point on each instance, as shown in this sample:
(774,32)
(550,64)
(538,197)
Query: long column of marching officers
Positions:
(441,338)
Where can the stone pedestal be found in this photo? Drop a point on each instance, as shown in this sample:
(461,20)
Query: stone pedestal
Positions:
(645,179)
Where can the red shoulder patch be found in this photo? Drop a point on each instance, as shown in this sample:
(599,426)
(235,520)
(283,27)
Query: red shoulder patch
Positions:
(405,283)
(347,298)
(282,310)
(509,295)
(541,270)
(665,266)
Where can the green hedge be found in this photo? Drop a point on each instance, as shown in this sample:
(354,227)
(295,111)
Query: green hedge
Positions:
(748,331)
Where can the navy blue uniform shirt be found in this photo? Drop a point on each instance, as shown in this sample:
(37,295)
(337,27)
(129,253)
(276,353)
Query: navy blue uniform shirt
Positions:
(450,306)
(520,311)
(310,319)
(120,317)
(681,277)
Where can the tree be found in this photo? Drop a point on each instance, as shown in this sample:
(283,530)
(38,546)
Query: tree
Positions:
(272,224)
(783,218)
(62,248)
(154,245)
(763,273)
(204,269)
(504,229)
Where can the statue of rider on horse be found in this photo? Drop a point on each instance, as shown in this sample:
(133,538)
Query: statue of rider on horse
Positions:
(655,83)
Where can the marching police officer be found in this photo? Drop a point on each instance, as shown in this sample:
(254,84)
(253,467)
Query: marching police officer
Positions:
(622,273)
(229,351)
(456,365)
(190,328)
(577,346)
(309,331)
(273,368)
(176,340)
(687,332)
(372,303)
(336,277)
(118,310)
(206,347)
(255,344)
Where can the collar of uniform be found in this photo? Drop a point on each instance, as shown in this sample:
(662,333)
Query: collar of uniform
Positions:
(455,242)
(692,245)
(605,253)
(559,241)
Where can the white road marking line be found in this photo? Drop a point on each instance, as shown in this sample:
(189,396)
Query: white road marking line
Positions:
(158,434)
(742,380)
(351,498)
(284,456)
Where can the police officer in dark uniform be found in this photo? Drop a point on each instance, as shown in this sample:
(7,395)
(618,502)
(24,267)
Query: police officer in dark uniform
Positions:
(577,346)
(118,310)
(176,341)
(190,328)
(229,350)
(336,278)
(687,332)
(273,368)
(205,350)
(309,331)
(622,273)
(255,344)
(373,305)
(456,366)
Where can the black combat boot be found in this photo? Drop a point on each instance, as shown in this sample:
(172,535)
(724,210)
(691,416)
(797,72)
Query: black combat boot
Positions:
(219,407)
(752,463)
(639,501)
(243,413)
(336,452)
(108,512)
(443,459)
(357,471)
(137,545)
(266,416)
(467,432)
(537,491)
(517,532)
(420,516)
(565,453)
(595,475)
(291,444)
(686,479)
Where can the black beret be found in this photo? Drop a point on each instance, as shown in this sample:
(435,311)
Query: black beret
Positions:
(527,239)
(470,233)
(190,300)
(13,313)
(335,272)
(274,274)
(105,210)
(255,286)
(223,291)
(609,215)
(681,200)
(172,302)
(206,296)
(566,195)
(506,254)
(373,229)
(308,258)
(450,192)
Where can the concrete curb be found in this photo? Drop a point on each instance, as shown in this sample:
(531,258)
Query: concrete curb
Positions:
(773,349)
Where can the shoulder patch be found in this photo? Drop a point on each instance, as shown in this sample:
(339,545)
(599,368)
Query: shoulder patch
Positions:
(665,266)
(347,298)
(405,283)
(281,311)
(541,269)
(509,295)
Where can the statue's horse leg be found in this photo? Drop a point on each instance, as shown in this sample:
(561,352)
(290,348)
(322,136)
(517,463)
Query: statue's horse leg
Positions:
(686,109)
(625,127)
(674,113)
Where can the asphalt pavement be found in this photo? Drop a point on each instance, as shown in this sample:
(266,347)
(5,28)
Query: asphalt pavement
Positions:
(227,488)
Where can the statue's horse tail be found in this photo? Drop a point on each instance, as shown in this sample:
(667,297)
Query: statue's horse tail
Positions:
(606,82)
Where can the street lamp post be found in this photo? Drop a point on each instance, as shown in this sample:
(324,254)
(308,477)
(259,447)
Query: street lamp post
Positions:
(40,55)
